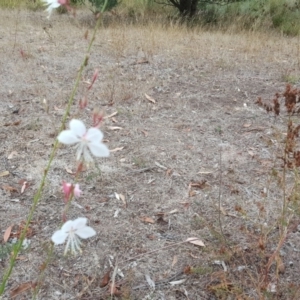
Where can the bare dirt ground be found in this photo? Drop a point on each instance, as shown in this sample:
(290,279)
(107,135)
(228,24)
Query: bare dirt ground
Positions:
(203,127)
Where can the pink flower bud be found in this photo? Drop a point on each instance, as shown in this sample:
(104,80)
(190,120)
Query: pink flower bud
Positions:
(68,189)
(95,76)
(65,3)
(97,118)
(83,102)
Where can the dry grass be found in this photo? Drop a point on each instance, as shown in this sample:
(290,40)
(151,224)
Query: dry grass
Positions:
(204,84)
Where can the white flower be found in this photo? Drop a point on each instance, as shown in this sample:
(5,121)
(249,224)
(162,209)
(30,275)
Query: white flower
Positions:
(51,5)
(91,139)
(71,231)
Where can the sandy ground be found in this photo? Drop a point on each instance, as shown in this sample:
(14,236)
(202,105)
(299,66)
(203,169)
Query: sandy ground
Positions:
(199,139)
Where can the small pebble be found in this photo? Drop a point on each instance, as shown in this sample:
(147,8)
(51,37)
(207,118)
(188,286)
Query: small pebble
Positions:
(282,253)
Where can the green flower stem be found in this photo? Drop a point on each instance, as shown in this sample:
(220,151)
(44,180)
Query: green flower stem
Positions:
(38,194)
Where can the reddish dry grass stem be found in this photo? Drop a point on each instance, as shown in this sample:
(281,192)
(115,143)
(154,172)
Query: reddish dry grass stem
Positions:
(291,98)
(287,101)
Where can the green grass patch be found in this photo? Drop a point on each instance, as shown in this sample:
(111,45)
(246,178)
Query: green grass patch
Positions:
(282,15)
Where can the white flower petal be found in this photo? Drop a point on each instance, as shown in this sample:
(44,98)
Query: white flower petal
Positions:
(54,5)
(51,5)
(68,137)
(79,223)
(85,232)
(82,230)
(78,127)
(47,2)
(98,149)
(68,226)
(59,237)
(72,231)
(87,140)
(77,191)
(94,134)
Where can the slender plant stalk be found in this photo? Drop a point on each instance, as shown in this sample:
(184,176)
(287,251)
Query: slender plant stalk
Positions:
(220,203)
(38,194)
(284,205)
(48,260)
(16,31)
